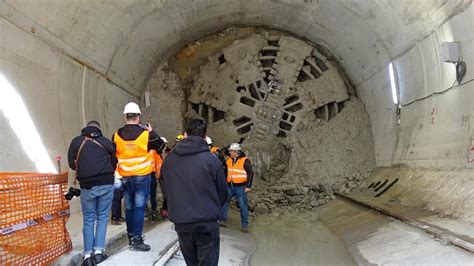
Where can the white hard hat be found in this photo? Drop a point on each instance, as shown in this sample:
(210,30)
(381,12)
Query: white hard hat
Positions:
(208,140)
(164,139)
(131,108)
(235,147)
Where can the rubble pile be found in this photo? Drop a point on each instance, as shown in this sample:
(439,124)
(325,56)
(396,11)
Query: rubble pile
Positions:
(295,198)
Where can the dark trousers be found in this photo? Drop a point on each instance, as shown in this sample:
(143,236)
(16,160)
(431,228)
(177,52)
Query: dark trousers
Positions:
(153,199)
(200,248)
(165,205)
(117,204)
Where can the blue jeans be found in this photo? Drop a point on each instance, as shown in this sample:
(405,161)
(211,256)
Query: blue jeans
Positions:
(239,193)
(95,203)
(136,190)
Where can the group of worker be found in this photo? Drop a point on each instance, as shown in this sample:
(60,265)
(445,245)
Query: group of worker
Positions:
(197,180)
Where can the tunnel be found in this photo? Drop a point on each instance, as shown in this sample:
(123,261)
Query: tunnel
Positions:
(357,115)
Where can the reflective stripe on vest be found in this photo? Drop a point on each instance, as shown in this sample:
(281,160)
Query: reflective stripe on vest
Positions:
(157,162)
(133,156)
(236,172)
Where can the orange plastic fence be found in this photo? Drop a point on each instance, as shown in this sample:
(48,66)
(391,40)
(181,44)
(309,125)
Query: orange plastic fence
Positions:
(33,216)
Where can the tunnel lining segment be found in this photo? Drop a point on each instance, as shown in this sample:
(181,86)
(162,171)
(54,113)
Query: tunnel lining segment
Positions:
(312,20)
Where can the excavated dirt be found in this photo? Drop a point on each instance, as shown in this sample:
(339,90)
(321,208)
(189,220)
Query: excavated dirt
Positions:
(302,127)
(322,157)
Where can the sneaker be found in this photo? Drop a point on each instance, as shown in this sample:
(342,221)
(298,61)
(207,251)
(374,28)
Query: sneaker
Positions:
(130,237)
(88,262)
(98,258)
(245,229)
(139,245)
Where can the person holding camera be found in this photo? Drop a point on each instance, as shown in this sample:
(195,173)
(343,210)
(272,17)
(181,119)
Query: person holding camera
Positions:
(133,143)
(92,156)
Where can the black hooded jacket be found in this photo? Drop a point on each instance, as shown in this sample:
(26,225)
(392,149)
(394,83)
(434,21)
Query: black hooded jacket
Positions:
(194,184)
(96,164)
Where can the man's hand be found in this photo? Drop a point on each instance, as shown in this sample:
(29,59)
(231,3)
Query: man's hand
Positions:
(247,189)
(148,127)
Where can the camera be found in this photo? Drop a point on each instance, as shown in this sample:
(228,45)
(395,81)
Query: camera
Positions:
(144,126)
(72,192)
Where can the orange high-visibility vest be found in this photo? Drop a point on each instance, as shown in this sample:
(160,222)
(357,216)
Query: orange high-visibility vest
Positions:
(236,172)
(133,156)
(157,161)
(214,150)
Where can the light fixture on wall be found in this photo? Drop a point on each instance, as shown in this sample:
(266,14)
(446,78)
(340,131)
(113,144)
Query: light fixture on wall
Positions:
(393,83)
(394,88)
(451,52)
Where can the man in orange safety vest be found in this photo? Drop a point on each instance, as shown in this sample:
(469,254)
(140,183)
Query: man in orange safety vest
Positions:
(239,182)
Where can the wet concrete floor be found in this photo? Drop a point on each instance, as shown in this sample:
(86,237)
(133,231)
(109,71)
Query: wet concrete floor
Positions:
(290,239)
(339,233)
(297,239)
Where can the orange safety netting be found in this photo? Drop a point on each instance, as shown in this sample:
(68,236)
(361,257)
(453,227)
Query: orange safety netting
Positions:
(33,216)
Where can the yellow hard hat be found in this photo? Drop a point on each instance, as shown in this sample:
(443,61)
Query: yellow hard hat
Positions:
(179,137)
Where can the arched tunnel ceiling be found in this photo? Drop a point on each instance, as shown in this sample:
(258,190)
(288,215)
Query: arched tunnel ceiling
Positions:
(125,40)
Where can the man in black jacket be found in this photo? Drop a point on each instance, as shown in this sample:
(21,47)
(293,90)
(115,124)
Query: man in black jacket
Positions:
(92,156)
(195,187)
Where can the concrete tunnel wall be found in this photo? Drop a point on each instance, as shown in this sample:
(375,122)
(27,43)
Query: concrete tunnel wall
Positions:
(436,132)
(53,51)
(60,94)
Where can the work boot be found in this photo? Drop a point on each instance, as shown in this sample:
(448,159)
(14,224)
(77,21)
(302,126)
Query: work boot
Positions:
(98,258)
(222,224)
(139,245)
(245,229)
